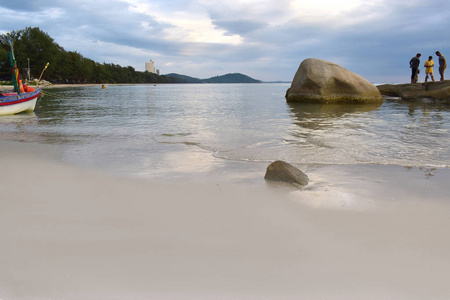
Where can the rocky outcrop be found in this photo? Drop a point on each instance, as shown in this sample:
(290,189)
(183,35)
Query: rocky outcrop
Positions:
(321,81)
(418,91)
(282,171)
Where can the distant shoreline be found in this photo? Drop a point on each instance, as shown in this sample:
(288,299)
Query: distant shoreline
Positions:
(66,85)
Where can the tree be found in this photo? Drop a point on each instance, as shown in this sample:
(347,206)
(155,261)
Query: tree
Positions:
(65,66)
(40,48)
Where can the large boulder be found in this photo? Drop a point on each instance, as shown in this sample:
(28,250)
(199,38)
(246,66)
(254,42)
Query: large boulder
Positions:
(285,172)
(322,81)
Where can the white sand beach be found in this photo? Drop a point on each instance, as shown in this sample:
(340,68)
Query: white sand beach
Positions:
(369,232)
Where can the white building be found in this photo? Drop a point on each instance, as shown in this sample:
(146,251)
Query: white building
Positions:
(150,67)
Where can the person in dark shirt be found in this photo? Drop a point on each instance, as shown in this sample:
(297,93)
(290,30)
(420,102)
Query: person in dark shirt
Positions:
(442,65)
(414,64)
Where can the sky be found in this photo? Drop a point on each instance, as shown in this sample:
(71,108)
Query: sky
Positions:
(264,39)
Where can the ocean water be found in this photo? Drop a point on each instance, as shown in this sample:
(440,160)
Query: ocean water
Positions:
(151,130)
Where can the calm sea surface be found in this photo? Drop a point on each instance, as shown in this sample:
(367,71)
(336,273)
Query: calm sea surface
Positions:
(134,129)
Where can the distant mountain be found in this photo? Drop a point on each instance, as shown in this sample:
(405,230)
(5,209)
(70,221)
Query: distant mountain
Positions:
(227,78)
(184,79)
(232,78)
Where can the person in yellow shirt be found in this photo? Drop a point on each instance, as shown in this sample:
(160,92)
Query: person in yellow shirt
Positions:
(429,64)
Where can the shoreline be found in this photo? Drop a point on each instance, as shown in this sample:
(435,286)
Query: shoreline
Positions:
(251,174)
(67,85)
(68,232)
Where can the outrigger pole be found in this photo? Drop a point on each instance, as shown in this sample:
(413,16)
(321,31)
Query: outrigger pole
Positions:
(45,68)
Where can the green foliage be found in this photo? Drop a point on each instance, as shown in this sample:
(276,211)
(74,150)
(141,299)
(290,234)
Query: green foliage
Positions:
(5,71)
(37,47)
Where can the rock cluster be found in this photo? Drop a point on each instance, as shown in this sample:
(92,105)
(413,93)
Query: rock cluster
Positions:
(418,91)
(321,81)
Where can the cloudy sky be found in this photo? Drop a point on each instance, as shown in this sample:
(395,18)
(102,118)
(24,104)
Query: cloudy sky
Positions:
(265,39)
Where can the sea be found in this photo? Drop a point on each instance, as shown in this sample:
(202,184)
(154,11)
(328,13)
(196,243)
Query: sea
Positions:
(188,130)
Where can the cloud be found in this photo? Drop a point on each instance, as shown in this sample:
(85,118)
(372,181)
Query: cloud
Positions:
(265,39)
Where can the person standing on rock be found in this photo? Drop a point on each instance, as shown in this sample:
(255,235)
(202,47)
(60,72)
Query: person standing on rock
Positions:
(414,64)
(429,64)
(442,65)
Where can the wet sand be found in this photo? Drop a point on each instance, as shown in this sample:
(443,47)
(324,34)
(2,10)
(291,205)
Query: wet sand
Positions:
(356,232)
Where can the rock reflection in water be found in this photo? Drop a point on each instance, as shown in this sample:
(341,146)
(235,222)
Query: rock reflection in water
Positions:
(318,116)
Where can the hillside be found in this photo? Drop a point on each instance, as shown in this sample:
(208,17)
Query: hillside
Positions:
(227,78)
(184,78)
(232,78)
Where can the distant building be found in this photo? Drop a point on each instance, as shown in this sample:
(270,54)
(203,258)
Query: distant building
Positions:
(157,71)
(150,67)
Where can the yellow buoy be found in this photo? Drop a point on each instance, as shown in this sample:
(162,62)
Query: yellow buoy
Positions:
(103,86)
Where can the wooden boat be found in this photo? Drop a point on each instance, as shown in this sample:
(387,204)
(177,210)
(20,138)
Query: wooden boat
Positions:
(13,102)
(22,98)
